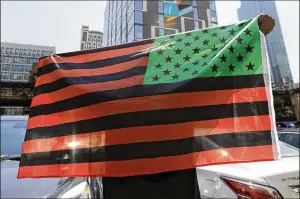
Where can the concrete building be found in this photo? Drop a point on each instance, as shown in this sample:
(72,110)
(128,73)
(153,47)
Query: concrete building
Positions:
(90,39)
(127,21)
(280,68)
(17,60)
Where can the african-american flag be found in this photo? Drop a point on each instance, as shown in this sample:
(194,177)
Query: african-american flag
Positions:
(169,103)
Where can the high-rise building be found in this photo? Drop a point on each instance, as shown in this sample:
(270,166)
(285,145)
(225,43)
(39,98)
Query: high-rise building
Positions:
(132,20)
(17,60)
(280,68)
(90,39)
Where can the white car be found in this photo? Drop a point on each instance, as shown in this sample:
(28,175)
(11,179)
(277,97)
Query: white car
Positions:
(270,179)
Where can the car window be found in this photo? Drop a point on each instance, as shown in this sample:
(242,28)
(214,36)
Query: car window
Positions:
(12,135)
(292,139)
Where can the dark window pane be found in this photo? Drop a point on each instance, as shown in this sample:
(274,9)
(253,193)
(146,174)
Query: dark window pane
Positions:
(5,67)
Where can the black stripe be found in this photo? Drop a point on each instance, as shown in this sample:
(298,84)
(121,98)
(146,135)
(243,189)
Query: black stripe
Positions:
(148,118)
(191,85)
(68,81)
(90,65)
(148,149)
(114,47)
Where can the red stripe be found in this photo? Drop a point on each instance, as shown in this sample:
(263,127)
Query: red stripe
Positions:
(149,134)
(57,74)
(96,56)
(75,90)
(150,165)
(150,103)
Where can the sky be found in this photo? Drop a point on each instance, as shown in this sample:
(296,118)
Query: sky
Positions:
(52,23)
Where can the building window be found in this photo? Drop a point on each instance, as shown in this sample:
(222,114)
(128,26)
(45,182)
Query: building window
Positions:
(7,51)
(21,51)
(29,52)
(18,68)
(131,35)
(195,13)
(129,3)
(32,60)
(2,50)
(138,17)
(5,67)
(38,52)
(195,3)
(196,24)
(17,51)
(161,22)
(124,34)
(43,53)
(160,7)
(28,68)
(22,60)
(161,32)
(16,60)
(25,52)
(130,8)
(16,76)
(212,5)
(138,32)
(138,4)
(26,75)
(11,51)
(34,52)
(130,22)
(213,15)
(10,59)
(5,75)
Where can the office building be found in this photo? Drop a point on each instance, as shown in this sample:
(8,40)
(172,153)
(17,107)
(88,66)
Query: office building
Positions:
(132,20)
(17,60)
(280,68)
(90,39)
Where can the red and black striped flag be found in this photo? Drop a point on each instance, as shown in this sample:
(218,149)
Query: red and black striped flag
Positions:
(169,103)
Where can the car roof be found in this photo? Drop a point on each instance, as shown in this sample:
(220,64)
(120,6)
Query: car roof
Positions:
(14,117)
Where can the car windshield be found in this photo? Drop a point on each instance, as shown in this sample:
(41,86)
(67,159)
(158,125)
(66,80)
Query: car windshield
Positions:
(13,130)
(288,150)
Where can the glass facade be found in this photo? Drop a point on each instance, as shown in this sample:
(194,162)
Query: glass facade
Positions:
(132,20)
(16,63)
(280,67)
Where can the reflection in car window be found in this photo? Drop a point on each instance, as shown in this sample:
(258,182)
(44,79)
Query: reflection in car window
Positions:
(292,139)
(12,134)
(288,150)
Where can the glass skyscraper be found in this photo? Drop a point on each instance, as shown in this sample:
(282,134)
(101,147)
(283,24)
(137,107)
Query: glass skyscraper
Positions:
(280,68)
(132,20)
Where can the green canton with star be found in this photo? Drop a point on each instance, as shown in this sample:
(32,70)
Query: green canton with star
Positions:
(219,51)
